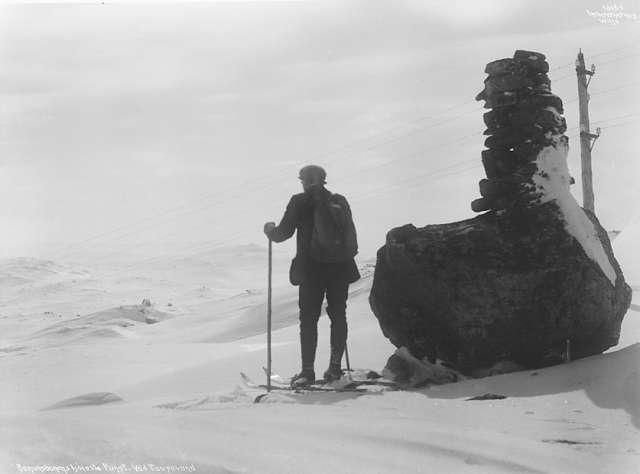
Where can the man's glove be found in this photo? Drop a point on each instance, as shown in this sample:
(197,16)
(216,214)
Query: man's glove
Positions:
(268,228)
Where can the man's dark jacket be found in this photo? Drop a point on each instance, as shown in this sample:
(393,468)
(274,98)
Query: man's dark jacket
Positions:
(299,216)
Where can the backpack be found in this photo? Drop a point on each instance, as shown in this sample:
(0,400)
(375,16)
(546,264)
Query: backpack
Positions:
(334,234)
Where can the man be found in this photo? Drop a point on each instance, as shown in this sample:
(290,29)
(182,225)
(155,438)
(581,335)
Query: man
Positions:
(317,278)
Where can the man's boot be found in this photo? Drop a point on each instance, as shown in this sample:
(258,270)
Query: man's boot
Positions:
(305,378)
(334,372)
(308,343)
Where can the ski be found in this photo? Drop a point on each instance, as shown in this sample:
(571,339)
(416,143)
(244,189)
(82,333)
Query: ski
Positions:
(319,386)
(357,378)
(276,378)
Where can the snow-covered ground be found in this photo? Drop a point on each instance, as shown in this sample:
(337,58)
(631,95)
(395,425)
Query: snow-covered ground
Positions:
(160,385)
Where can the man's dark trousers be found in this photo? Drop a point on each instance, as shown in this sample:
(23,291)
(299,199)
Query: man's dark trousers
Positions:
(323,279)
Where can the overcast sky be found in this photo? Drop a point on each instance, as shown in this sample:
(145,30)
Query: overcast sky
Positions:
(187,122)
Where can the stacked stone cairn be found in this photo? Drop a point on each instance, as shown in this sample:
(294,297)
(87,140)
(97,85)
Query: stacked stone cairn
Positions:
(524,117)
(531,283)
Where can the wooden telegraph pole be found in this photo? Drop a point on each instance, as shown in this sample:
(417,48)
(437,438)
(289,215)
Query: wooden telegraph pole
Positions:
(587,139)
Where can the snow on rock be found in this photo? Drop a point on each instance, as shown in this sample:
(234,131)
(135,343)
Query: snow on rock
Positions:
(403,368)
(552,181)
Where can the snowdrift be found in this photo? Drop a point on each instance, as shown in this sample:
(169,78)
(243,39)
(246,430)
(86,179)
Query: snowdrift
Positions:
(162,396)
(114,322)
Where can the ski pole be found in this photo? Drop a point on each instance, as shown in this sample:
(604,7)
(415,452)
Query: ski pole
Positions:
(269,320)
(346,355)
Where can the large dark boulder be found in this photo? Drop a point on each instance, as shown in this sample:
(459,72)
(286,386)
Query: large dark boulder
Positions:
(497,288)
(534,280)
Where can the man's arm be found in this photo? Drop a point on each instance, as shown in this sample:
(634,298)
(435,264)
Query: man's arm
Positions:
(287,225)
(347,207)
